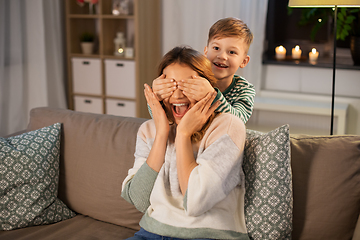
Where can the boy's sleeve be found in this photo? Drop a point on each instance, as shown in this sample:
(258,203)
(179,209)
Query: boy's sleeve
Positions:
(242,102)
(149,109)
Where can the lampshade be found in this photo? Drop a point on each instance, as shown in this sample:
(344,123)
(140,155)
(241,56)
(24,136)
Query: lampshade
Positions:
(324,3)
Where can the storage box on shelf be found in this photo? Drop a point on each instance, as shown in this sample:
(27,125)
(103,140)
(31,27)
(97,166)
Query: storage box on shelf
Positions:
(105,82)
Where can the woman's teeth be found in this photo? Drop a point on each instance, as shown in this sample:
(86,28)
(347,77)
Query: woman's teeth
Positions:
(180,108)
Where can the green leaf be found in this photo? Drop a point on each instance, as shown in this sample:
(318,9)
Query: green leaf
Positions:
(350,19)
(340,16)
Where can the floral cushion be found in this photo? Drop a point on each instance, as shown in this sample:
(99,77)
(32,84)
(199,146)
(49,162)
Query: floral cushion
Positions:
(268,184)
(29,176)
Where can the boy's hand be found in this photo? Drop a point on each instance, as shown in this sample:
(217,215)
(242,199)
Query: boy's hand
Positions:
(163,87)
(196,87)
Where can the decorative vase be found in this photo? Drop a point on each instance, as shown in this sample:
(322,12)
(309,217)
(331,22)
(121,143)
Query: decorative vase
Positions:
(87,47)
(355,49)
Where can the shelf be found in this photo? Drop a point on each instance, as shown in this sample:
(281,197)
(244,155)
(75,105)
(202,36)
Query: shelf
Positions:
(108,16)
(81,55)
(117,57)
(95,16)
(87,95)
(341,62)
(91,16)
(109,91)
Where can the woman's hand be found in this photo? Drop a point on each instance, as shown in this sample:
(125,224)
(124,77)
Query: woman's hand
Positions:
(159,116)
(197,116)
(190,123)
(156,156)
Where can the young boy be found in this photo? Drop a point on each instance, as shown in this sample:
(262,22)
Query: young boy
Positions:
(228,43)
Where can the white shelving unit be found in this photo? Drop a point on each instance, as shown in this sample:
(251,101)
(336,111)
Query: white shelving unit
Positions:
(103,82)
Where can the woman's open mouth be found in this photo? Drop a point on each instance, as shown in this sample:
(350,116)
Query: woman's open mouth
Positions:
(179,109)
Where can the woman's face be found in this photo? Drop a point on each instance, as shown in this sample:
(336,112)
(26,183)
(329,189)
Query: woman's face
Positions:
(178,104)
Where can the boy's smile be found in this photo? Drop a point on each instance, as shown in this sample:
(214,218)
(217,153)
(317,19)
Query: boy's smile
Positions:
(226,56)
(220,65)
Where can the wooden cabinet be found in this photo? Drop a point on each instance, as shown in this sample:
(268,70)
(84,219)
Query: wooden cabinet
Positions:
(103,81)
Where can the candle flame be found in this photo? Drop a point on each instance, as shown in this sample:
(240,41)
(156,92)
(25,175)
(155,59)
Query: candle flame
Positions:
(313,50)
(297,48)
(281,48)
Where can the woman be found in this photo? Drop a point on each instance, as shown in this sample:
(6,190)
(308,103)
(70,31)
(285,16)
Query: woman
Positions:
(187,175)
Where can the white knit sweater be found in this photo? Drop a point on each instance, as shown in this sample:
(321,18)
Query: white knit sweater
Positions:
(213,206)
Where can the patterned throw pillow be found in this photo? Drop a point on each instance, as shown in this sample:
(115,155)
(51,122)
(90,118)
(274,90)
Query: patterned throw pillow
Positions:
(268,184)
(29,176)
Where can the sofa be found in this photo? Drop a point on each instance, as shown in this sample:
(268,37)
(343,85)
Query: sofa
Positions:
(322,200)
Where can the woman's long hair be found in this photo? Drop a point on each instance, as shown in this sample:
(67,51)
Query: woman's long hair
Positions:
(200,64)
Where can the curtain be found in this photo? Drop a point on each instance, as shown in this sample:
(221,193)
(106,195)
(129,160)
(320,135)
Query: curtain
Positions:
(32,60)
(187,22)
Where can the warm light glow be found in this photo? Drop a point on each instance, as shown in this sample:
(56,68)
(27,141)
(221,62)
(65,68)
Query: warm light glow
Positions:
(319,20)
(280,52)
(296,52)
(120,50)
(313,56)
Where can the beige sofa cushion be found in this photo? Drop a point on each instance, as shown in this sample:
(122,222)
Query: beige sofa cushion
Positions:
(326,186)
(77,228)
(96,153)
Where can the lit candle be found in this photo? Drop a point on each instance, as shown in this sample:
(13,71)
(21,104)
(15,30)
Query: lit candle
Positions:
(280,52)
(313,55)
(296,52)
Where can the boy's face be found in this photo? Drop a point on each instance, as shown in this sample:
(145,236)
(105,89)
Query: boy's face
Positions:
(226,56)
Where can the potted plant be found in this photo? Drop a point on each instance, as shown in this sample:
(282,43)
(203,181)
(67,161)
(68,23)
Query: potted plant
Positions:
(92,4)
(87,42)
(348,24)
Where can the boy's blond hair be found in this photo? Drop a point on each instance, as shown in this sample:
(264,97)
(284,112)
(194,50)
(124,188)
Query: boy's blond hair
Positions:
(231,27)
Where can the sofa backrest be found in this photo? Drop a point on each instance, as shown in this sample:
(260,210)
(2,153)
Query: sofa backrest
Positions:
(96,153)
(326,186)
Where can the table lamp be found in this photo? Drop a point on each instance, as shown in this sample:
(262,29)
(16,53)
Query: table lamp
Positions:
(330,4)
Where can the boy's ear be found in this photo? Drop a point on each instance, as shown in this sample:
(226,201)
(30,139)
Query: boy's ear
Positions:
(205,50)
(245,61)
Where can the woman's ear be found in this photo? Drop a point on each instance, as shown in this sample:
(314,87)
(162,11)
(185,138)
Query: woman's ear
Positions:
(245,61)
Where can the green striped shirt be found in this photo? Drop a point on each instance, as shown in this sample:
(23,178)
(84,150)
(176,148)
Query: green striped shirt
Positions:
(237,99)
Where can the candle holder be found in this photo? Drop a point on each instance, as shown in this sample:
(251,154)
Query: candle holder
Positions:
(119,42)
